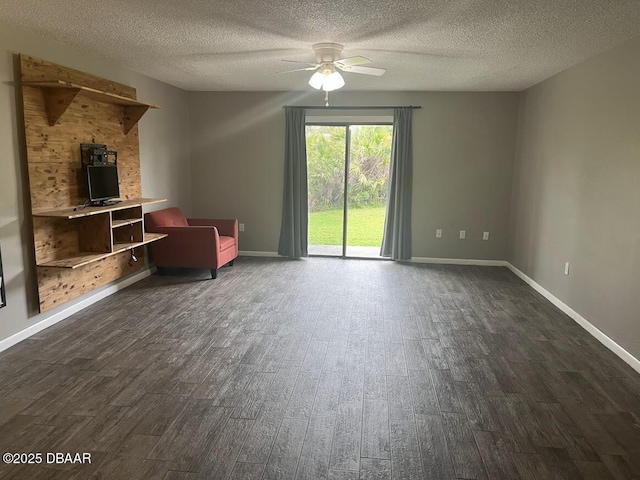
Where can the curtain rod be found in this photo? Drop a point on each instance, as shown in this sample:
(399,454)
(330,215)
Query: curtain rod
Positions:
(352,107)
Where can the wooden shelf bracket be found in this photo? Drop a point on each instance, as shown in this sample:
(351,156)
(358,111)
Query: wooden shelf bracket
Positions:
(132,114)
(57,101)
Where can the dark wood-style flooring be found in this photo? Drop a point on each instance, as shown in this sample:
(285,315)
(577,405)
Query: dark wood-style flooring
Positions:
(322,369)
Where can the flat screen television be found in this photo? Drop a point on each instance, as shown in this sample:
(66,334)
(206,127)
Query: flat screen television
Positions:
(103,183)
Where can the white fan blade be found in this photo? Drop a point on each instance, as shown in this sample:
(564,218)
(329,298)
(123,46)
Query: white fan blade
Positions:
(353,61)
(365,70)
(304,63)
(297,70)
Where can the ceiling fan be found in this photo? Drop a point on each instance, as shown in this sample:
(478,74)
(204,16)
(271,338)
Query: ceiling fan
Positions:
(328,62)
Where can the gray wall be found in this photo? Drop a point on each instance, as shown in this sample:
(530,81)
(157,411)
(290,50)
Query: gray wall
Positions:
(164,150)
(463,160)
(576,190)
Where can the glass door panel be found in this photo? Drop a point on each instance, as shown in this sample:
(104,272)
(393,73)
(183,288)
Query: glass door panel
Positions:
(326,177)
(369,158)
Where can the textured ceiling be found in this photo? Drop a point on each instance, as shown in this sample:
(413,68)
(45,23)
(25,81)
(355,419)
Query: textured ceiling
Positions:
(423,44)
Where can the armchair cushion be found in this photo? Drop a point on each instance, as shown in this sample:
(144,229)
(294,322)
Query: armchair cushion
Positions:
(226,243)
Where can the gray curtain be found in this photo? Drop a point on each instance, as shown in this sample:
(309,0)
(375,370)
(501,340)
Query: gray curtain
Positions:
(396,240)
(295,210)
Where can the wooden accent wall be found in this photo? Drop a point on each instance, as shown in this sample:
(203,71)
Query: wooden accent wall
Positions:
(57,179)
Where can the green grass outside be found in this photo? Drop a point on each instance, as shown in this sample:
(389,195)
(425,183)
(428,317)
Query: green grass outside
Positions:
(364,228)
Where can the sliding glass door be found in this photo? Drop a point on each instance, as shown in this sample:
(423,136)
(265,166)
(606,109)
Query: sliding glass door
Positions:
(326,160)
(348,169)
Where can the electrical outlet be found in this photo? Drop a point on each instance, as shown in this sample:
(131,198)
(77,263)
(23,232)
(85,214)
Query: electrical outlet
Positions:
(439,233)
(485,236)
(241,227)
(566,268)
(463,234)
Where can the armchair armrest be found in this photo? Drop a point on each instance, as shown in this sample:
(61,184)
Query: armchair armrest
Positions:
(226,226)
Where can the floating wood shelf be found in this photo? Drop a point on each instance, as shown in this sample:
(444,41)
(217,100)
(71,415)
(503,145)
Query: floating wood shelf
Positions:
(148,238)
(79,211)
(85,258)
(59,95)
(124,223)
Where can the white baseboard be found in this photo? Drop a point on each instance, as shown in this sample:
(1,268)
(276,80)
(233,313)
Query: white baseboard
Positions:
(459,261)
(76,307)
(242,253)
(632,361)
(443,261)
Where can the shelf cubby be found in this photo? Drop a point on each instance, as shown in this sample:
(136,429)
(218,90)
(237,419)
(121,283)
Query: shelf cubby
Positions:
(133,233)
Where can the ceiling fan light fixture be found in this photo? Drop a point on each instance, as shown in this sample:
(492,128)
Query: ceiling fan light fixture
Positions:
(333,81)
(316,80)
(326,76)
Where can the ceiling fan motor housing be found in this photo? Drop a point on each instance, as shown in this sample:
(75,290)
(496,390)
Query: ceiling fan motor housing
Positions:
(327,52)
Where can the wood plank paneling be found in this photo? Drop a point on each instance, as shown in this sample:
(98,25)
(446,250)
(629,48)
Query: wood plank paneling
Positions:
(56,122)
(54,238)
(59,285)
(38,70)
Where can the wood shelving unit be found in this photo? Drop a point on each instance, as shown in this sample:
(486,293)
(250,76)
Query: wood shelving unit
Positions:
(59,95)
(101,231)
(78,249)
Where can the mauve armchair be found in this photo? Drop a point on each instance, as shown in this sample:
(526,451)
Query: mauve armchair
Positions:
(192,242)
